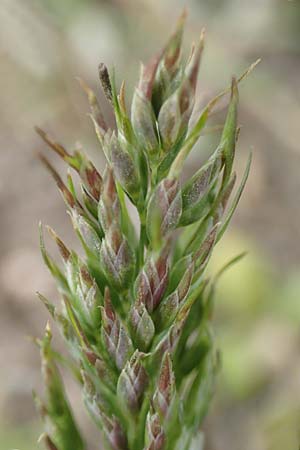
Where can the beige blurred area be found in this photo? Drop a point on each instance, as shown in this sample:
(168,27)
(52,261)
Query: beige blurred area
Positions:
(44,46)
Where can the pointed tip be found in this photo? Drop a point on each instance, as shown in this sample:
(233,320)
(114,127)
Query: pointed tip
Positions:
(122,86)
(167,358)
(41,438)
(96,111)
(41,234)
(172,50)
(58,148)
(249,70)
(32,339)
(147,76)
(192,52)
(250,157)
(83,84)
(39,131)
(63,250)
(237,134)
(86,88)
(46,163)
(122,100)
(193,64)
(43,134)
(79,80)
(67,195)
(234,88)
(182,18)
(166,379)
(51,231)
(48,330)
(107,298)
(167,364)
(50,307)
(39,295)
(202,39)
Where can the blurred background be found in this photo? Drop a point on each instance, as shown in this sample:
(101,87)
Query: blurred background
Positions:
(44,45)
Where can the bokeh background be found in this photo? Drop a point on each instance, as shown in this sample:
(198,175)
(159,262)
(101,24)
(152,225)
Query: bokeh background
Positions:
(44,45)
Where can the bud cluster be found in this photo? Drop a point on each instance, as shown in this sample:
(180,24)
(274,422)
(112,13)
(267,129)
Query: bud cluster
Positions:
(136,311)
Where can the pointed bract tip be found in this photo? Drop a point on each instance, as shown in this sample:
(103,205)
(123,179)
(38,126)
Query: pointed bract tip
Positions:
(122,100)
(50,307)
(106,295)
(249,70)
(45,161)
(51,232)
(48,332)
(39,131)
(234,88)
(202,37)
(166,385)
(182,18)
(41,438)
(88,91)
(81,82)
(41,235)
(56,146)
(84,85)
(65,253)
(68,196)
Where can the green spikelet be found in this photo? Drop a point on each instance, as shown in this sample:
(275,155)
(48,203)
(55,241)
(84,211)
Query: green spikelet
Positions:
(136,311)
